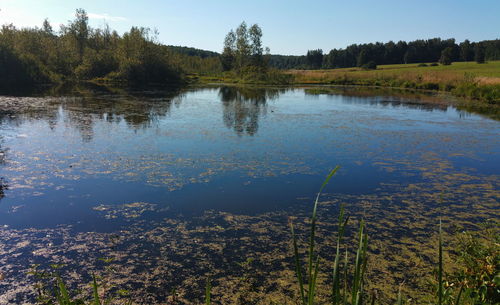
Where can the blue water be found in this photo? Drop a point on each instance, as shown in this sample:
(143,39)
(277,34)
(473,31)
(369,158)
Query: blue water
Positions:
(179,184)
(242,151)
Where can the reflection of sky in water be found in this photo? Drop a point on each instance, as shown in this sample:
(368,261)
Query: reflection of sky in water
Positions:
(247,150)
(169,183)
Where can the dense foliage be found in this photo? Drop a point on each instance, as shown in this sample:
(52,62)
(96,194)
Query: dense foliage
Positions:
(243,49)
(418,51)
(79,52)
(244,59)
(479,256)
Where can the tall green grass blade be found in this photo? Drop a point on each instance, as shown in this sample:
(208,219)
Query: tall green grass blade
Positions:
(96,300)
(457,301)
(400,296)
(346,271)
(358,266)
(313,231)
(330,175)
(63,294)
(357,300)
(440,270)
(208,292)
(364,262)
(336,273)
(298,267)
(312,292)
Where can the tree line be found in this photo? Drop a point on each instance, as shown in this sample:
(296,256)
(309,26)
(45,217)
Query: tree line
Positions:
(418,51)
(80,52)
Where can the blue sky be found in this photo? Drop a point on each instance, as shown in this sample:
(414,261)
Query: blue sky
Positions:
(290,27)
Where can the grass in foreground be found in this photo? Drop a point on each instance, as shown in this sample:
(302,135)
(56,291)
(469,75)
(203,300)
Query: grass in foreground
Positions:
(477,281)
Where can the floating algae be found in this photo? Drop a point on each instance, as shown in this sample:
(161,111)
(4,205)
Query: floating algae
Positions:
(169,190)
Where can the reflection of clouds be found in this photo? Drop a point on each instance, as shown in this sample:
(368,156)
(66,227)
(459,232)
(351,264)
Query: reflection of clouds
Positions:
(243,107)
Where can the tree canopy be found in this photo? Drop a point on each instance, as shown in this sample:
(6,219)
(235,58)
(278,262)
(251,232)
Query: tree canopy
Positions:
(80,52)
(243,49)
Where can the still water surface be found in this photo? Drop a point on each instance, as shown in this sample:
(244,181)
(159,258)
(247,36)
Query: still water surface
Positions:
(99,164)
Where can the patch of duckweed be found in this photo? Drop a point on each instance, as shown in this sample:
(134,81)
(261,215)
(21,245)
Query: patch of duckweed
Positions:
(127,210)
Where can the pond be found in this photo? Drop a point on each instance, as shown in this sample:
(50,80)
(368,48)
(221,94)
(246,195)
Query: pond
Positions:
(175,185)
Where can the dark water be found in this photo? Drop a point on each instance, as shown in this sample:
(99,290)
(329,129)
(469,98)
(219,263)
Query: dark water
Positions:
(103,161)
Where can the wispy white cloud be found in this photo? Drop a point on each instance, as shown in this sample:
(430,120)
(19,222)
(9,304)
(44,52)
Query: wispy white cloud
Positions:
(106,17)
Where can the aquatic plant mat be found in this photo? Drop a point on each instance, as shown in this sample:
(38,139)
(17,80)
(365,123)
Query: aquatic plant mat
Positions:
(159,252)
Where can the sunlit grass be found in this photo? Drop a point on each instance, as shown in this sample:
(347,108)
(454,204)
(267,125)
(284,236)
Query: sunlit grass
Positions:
(488,73)
(470,80)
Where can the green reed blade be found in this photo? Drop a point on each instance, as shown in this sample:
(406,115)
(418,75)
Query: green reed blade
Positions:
(208,292)
(63,294)
(440,270)
(400,297)
(336,275)
(312,292)
(346,270)
(298,268)
(313,226)
(457,301)
(358,264)
(96,301)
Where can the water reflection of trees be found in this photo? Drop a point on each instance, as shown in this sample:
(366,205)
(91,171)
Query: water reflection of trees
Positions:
(3,184)
(3,187)
(244,105)
(83,105)
(384,97)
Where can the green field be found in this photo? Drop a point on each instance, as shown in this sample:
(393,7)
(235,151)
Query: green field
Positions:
(478,84)
(489,69)
(485,74)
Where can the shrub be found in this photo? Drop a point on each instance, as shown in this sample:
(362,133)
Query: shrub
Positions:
(479,55)
(422,65)
(21,70)
(96,64)
(428,86)
(371,65)
(446,56)
(479,277)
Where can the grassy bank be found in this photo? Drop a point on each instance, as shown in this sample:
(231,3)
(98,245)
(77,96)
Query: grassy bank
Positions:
(480,82)
(267,77)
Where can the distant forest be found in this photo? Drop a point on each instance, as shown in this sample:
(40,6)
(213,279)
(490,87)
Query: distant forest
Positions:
(418,51)
(357,55)
(80,52)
